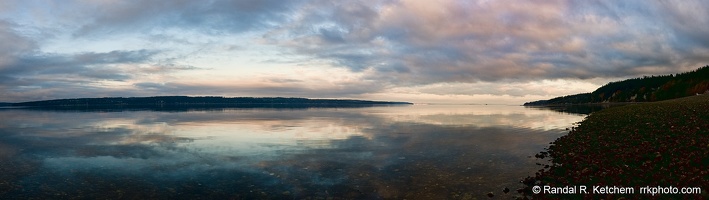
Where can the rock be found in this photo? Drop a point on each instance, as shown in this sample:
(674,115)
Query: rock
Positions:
(506,190)
(490,194)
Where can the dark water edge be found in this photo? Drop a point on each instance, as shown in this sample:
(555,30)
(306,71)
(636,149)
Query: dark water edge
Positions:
(583,109)
(170,155)
(187,108)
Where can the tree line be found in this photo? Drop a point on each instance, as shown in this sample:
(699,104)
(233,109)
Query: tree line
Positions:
(642,89)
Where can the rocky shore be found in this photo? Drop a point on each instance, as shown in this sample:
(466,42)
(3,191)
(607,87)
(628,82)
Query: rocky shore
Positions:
(661,144)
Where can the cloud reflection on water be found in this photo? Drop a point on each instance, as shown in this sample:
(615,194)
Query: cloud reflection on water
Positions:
(378,152)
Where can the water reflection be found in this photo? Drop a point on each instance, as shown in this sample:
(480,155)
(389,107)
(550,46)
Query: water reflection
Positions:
(420,151)
(584,109)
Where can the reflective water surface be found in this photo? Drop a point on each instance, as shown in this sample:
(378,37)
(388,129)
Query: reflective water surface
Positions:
(413,152)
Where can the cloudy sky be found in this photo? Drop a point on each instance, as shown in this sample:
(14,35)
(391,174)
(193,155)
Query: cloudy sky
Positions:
(447,51)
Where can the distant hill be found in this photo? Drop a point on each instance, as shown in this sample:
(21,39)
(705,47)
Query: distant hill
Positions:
(206,102)
(645,89)
(3,104)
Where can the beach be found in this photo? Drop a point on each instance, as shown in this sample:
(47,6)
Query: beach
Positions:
(660,144)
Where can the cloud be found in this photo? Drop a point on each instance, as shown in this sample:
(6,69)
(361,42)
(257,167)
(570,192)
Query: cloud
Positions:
(385,45)
(436,42)
(87,65)
(683,18)
(14,44)
(213,17)
(282,88)
(34,75)
(492,41)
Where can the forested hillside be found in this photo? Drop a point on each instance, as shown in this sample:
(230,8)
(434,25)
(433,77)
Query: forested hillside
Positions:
(645,89)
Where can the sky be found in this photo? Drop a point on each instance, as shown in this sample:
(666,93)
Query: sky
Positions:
(444,51)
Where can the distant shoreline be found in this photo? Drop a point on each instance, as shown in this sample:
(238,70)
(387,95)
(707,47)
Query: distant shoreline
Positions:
(186,102)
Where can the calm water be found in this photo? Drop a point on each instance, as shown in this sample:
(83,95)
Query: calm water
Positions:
(414,152)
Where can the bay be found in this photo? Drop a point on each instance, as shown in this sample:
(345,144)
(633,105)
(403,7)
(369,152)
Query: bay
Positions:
(399,152)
